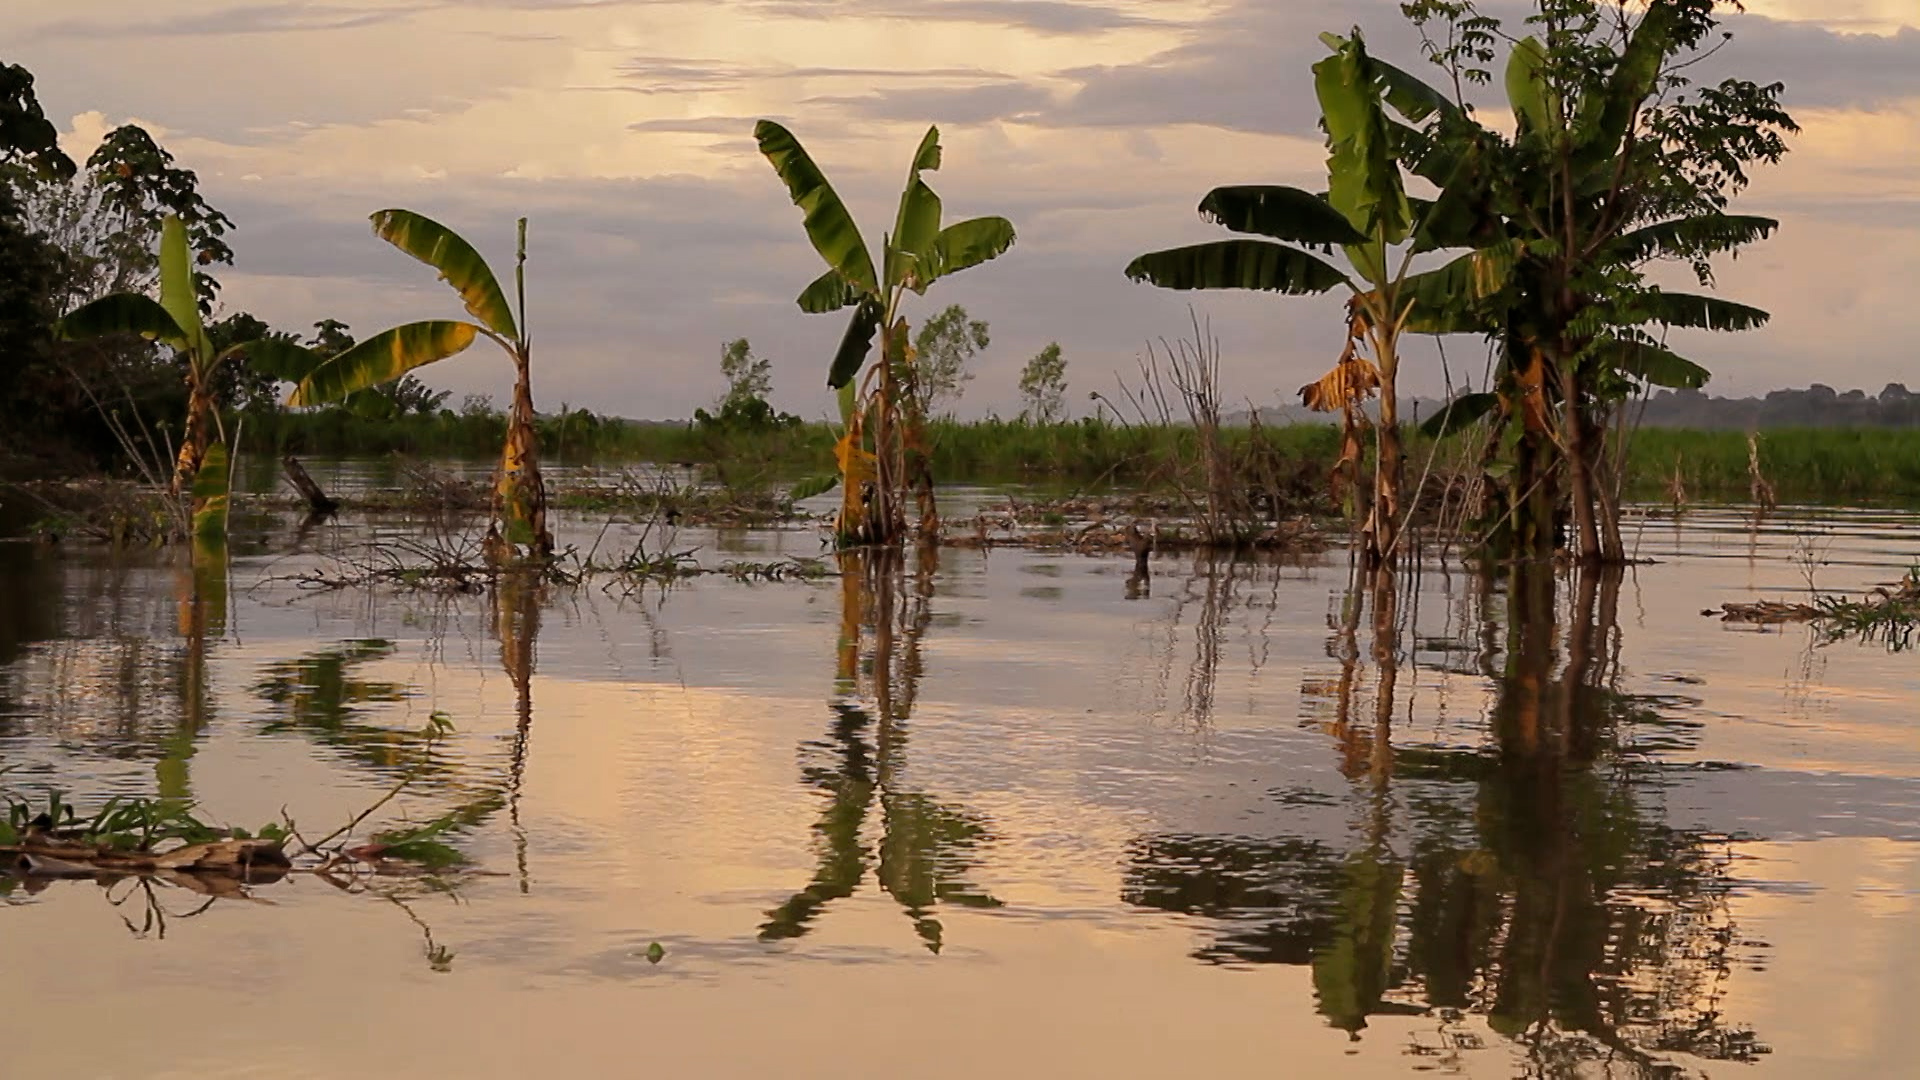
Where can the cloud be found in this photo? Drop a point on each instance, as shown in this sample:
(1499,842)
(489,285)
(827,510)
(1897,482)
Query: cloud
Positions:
(944,104)
(1060,17)
(1249,68)
(249,19)
(1823,68)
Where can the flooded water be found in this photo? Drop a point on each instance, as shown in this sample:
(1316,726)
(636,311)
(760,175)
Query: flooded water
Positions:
(987,813)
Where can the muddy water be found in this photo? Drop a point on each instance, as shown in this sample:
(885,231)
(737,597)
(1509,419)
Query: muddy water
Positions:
(1000,813)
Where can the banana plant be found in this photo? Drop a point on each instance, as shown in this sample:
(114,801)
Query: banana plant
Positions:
(1594,183)
(882,450)
(1365,211)
(174,321)
(519,529)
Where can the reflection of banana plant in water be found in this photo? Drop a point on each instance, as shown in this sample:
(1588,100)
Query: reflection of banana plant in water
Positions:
(517,602)
(927,847)
(1353,971)
(321,696)
(202,601)
(520,495)
(884,441)
(1544,892)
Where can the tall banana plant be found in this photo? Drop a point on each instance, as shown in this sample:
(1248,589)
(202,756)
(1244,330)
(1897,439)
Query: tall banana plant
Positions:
(882,451)
(199,467)
(1585,192)
(519,531)
(1365,211)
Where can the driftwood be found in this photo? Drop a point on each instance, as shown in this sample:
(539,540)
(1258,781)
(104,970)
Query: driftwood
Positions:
(317,501)
(1767,613)
(42,855)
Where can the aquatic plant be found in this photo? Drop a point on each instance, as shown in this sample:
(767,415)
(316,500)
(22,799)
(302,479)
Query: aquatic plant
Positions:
(174,320)
(1367,212)
(1616,160)
(520,495)
(883,450)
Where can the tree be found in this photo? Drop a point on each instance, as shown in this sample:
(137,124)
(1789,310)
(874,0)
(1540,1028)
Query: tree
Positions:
(1043,386)
(520,494)
(331,337)
(138,183)
(749,377)
(29,154)
(249,385)
(1365,210)
(942,349)
(883,441)
(1616,160)
(29,143)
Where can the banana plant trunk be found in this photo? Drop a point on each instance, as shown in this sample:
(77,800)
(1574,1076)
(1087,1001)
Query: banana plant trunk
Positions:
(520,496)
(1579,468)
(1532,490)
(198,435)
(1382,529)
(1390,458)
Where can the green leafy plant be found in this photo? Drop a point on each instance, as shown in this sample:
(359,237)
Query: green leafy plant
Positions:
(883,449)
(1366,211)
(174,320)
(520,494)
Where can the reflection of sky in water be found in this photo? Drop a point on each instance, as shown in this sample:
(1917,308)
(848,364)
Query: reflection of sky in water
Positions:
(1138,784)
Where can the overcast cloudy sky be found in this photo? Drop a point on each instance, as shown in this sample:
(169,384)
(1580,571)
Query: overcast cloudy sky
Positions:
(622,128)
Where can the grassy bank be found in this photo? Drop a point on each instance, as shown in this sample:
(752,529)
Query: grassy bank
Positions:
(1808,465)
(1802,464)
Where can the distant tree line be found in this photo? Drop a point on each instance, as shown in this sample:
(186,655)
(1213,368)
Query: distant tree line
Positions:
(1818,406)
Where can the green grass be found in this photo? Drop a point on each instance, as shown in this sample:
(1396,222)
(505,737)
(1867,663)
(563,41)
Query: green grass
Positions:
(1804,465)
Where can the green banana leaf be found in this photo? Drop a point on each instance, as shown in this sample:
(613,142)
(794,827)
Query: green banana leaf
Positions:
(458,263)
(1693,237)
(382,358)
(123,313)
(1460,413)
(918,221)
(963,245)
(1606,116)
(855,344)
(177,294)
(829,292)
(1410,96)
(1535,105)
(1363,175)
(1700,312)
(287,361)
(1654,365)
(1238,264)
(1283,213)
(829,226)
(1444,297)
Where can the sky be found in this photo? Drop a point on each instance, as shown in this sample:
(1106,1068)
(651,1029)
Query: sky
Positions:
(623,130)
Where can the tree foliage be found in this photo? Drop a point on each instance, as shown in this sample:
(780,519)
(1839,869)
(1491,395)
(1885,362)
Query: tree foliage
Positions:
(942,351)
(1043,386)
(1616,159)
(749,377)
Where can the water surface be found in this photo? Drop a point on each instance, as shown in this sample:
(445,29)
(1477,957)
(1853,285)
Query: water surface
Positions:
(988,812)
